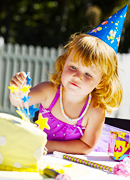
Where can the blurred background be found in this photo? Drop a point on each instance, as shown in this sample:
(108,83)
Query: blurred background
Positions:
(50,23)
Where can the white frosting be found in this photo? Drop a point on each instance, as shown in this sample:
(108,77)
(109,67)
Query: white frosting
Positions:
(17,165)
(1,158)
(38,153)
(2,140)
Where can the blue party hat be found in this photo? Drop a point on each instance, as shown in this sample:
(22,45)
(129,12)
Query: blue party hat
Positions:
(110,30)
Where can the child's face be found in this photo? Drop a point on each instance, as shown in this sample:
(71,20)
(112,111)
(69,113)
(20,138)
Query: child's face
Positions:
(78,79)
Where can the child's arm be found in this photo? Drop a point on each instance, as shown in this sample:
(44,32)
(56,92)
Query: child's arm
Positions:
(71,146)
(94,127)
(87,142)
(37,94)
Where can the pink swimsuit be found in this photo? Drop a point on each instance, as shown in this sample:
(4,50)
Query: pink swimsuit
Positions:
(60,130)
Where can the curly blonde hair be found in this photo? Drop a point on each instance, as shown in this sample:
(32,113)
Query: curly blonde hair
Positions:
(92,50)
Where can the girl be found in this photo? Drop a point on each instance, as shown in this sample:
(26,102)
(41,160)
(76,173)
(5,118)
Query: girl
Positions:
(85,84)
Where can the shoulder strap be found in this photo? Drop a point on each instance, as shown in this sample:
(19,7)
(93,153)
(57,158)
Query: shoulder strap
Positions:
(55,99)
(80,121)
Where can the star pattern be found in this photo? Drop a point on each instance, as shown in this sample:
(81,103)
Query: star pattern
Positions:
(28,79)
(25,89)
(28,112)
(32,110)
(26,98)
(13,88)
(42,122)
(23,116)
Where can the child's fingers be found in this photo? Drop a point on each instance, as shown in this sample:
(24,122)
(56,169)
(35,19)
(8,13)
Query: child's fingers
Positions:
(21,77)
(11,83)
(18,79)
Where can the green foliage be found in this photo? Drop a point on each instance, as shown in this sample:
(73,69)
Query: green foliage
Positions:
(50,23)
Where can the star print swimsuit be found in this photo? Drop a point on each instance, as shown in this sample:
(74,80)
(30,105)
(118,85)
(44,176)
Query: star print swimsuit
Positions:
(60,130)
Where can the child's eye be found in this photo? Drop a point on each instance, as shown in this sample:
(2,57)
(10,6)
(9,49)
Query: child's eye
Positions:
(87,74)
(73,67)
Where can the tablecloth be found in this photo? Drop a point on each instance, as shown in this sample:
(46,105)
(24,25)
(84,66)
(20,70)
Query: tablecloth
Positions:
(76,172)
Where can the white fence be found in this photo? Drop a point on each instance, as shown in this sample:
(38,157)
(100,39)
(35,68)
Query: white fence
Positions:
(38,61)
(124,73)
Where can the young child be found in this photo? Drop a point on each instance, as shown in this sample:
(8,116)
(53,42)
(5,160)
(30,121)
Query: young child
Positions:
(85,84)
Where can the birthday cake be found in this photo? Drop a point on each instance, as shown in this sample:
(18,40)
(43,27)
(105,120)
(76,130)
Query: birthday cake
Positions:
(21,143)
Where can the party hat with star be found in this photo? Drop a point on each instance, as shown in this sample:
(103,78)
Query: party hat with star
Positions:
(110,30)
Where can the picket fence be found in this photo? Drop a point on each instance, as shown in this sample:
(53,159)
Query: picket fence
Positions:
(14,58)
(39,61)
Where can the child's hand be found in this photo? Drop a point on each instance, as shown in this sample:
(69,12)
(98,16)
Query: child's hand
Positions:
(18,80)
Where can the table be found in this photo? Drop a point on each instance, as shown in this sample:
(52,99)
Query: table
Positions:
(77,172)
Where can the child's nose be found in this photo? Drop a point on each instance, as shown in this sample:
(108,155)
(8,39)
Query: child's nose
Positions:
(78,75)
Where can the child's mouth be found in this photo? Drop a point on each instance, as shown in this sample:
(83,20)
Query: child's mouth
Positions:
(74,84)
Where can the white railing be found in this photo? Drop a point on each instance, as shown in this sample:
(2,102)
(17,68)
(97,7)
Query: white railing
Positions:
(39,61)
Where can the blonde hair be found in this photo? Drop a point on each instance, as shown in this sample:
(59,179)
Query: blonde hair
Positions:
(92,50)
